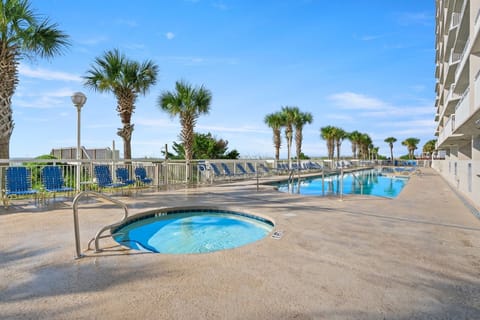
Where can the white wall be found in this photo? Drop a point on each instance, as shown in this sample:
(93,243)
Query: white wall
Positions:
(460,177)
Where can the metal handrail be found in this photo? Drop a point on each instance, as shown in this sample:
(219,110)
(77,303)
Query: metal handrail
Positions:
(75,218)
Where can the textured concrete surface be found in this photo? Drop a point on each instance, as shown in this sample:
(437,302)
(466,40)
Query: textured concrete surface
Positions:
(414,257)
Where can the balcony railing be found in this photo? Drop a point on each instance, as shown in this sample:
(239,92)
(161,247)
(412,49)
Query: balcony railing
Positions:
(455,20)
(462,110)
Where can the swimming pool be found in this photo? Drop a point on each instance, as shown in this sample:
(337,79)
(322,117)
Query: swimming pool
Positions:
(366,182)
(191,231)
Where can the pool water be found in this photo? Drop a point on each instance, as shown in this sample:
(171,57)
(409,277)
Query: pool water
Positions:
(367,182)
(193,232)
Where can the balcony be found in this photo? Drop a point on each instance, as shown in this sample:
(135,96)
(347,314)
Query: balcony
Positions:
(455,20)
(452,67)
(462,111)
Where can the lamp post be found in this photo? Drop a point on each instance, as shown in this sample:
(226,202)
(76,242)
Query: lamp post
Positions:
(78,100)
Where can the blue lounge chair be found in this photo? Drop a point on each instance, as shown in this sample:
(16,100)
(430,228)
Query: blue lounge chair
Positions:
(251,168)
(52,179)
(18,183)
(104,177)
(122,176)
(141,175)
(264,168)
(216,170)
(226,169)
(241,169)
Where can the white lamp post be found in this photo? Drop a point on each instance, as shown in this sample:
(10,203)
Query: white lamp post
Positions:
(78,100)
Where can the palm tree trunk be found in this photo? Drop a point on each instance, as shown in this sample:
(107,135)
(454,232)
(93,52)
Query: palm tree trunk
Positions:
(126,134)
(277,142)
(298,143)
(8,82)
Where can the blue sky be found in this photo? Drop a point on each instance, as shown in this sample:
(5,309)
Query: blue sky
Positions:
(365,65)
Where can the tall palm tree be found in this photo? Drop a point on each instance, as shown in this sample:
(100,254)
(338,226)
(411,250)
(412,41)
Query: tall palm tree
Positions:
(365,143)
(126,79)
(338,136)
(188,103)
(411,144)
(22,34)
(355,138)
(327,134)
(275,121)
(391,141)
(289,114)
(429,146)
(301,119)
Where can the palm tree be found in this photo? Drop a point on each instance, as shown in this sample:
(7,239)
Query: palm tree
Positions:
(22,34)
(411,144)
(365,143)
(301,119)
(327,134)
(188,103)
(355,138)
(338,135)
(429,147)
(391,141)
(126,79)
(275,121)
(289,114)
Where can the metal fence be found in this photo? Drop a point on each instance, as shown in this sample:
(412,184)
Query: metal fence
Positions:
(164,173)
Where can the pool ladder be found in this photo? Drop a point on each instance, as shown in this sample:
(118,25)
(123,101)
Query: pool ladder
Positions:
(77,198)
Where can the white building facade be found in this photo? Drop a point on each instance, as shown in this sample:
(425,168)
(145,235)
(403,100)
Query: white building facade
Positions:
(457,102)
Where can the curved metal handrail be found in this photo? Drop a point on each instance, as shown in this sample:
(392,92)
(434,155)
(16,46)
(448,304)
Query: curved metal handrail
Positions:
(75,218)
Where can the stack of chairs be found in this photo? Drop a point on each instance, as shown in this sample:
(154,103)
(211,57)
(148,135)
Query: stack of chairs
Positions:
(104,178)
(141,175)
(123,176)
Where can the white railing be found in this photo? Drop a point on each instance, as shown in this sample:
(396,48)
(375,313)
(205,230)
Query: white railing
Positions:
(462,110)
(455,20)
(454,57)
(447,130)
(477,89)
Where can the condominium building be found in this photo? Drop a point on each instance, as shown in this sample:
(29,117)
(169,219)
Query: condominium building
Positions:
(457,102)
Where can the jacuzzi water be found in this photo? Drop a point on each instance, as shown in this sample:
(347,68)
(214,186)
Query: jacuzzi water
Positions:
(192,231)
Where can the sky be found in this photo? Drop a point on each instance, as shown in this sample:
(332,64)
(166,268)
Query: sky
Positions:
(365,65)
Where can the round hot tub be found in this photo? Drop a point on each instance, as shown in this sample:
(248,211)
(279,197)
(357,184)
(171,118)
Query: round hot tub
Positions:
(191,230)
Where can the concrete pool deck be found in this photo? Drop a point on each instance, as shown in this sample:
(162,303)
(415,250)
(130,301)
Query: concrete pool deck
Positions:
(413,257)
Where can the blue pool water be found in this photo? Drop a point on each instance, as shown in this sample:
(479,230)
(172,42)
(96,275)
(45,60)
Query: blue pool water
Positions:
(367,182)
(193,231)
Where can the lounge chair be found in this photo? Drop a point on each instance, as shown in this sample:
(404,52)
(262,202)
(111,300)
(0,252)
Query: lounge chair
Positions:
(241,169)
(123,176)
(18,183)
(104,177)
(216,170)
(251,168)
(52,179)
(141,175)
(226,169)
(264,168)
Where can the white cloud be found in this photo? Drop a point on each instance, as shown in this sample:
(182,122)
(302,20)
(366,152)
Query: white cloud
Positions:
(239,129)
(169,35)
(351,100)
(189,61)
(415,18)
(127,22)
(45,74)
(93,40)
(43,100)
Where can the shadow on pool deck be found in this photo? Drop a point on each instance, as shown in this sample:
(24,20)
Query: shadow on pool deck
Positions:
(414,257)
